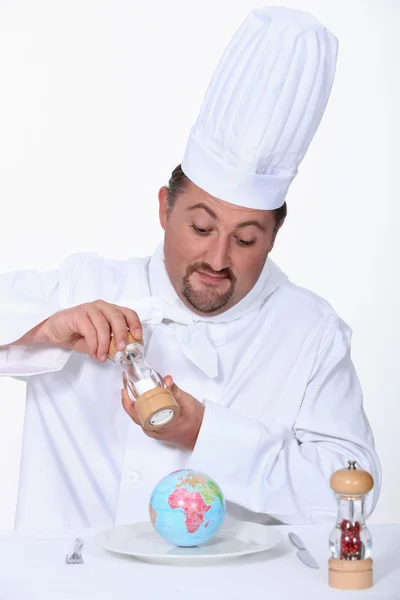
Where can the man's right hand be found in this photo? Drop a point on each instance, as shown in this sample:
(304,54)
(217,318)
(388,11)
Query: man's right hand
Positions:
(87,328)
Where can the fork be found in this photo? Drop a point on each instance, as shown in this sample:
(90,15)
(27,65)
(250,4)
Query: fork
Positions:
(75,557)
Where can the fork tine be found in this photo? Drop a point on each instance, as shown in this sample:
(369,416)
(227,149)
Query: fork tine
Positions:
(75,557)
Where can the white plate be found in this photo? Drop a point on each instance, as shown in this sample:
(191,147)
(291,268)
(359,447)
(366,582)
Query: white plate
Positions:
(234,539)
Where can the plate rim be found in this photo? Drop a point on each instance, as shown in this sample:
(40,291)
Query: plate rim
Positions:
(254,549)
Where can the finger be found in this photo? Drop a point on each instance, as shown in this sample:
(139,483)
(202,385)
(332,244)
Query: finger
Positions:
(169,382)
(129,407)
(134,324)
(116,323)
(124,379)
(121,321)
(103,331)
(86,329)
(174,389)
(81,346)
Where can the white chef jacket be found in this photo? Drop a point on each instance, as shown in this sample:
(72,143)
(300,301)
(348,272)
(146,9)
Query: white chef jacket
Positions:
(283,404)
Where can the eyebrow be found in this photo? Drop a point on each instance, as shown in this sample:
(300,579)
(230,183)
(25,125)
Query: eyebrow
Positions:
(215,217)
(205,207)
(253,222)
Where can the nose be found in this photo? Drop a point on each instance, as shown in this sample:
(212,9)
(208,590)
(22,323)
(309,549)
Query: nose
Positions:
(218,254)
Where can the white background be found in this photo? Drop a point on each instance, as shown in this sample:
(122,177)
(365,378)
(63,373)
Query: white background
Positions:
(96,101)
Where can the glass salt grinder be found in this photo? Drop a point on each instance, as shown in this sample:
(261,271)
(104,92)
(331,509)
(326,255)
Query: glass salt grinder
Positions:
(350,542)
(154,403)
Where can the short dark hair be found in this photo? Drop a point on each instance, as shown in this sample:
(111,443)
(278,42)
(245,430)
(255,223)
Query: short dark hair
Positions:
(178,183)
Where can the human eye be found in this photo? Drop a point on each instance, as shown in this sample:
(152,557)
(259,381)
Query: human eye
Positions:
(245,243)
(200,230)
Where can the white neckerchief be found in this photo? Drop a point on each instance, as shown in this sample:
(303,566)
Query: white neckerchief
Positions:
(195,339)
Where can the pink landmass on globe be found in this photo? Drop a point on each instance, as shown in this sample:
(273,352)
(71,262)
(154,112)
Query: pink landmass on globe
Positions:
(192,505)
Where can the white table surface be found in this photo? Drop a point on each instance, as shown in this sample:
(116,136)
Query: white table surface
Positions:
(32,566)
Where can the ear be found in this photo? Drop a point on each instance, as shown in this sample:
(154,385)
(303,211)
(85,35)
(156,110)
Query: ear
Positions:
(163,206)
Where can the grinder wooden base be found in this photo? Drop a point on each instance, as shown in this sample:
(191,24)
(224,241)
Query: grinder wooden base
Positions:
(156,408)
(350,574)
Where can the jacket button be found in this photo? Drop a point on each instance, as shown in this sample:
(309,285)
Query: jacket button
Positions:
(132,478)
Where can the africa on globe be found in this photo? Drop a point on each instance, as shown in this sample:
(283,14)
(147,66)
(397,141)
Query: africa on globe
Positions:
(187,508)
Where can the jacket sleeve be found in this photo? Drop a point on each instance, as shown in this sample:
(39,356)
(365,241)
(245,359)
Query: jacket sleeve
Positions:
(27,298)
(285,472)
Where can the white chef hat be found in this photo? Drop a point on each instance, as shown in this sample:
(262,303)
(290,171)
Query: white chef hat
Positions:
(262,108)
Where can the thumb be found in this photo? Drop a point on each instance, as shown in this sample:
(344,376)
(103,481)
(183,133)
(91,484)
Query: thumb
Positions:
(172,387)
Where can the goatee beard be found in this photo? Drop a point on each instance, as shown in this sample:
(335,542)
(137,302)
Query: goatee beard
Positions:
(207,299)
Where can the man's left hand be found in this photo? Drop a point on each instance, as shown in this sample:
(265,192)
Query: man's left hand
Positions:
(183,429)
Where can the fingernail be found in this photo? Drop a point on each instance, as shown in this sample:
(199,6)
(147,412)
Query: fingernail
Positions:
(122,345)
(103,357)
(138,334)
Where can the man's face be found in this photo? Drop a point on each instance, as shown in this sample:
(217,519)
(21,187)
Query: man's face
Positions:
(214,251)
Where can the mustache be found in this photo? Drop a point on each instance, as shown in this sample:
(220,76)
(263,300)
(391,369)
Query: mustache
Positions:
(206,268)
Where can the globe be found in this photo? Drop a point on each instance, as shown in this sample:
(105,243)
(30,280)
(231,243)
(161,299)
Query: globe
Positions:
(187,508)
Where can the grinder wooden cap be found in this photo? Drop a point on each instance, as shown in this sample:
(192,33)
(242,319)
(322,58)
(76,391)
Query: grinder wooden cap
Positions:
(112,350)
(351,481)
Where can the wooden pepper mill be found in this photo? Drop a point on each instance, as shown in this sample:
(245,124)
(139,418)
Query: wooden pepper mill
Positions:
(154,403)
(350,564)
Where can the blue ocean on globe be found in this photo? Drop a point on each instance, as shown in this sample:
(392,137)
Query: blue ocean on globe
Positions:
(187,508)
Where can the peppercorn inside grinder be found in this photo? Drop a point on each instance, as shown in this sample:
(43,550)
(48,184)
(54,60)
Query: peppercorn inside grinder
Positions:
(154,403)
(350,542)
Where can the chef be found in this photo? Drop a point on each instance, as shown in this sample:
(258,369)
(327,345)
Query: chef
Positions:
(270,401)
